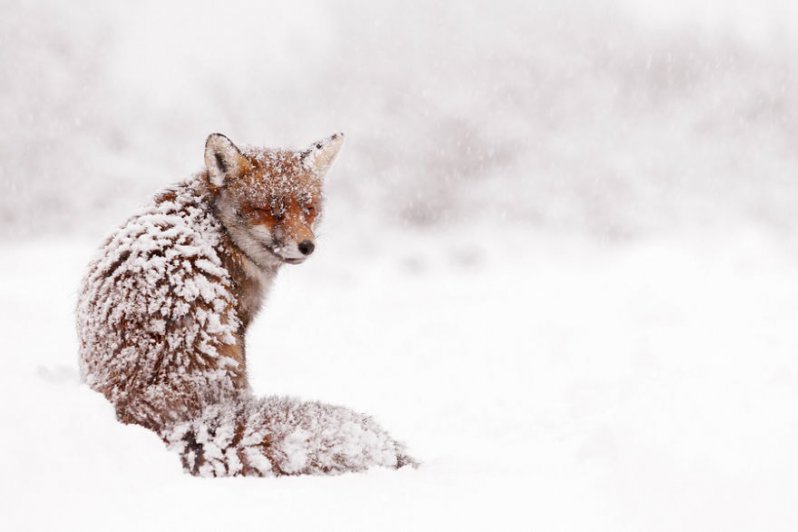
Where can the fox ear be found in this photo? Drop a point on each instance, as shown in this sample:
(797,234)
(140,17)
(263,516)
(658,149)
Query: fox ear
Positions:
(320,156)
(222,158)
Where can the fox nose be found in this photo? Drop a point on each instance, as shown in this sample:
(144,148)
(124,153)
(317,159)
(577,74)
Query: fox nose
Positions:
(306,247)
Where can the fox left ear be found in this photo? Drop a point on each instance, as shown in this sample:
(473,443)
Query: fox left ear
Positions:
(222,158)
(321,155)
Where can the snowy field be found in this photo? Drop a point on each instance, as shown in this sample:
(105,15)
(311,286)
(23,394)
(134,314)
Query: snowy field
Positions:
(559,258)
(557,385)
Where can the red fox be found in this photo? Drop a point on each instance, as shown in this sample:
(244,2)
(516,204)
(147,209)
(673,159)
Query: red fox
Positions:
(163,312)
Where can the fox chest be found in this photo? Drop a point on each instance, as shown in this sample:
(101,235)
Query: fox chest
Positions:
(250,285)
(250,298)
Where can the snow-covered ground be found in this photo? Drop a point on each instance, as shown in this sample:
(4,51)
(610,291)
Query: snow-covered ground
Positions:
(545,383)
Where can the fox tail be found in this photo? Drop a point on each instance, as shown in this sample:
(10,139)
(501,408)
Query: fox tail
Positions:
(274,436)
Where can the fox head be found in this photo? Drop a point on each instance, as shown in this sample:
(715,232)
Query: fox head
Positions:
(269,200)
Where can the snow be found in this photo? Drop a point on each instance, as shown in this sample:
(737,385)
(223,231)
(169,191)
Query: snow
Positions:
(563,385)
(558,257)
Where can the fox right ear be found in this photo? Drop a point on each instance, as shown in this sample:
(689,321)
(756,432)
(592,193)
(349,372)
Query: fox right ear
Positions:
(222,158)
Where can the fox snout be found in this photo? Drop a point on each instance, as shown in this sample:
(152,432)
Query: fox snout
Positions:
(306,247)
(293,241)
(293,250)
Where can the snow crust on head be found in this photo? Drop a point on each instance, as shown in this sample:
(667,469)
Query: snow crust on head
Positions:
(281,173)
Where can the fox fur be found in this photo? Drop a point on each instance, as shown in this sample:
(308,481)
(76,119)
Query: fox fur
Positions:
(164,309)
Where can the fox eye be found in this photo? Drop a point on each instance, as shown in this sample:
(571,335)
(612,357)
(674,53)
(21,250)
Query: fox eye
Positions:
(309,210)
(277,209)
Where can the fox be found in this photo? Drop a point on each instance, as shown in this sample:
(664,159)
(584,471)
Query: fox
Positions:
(164,308)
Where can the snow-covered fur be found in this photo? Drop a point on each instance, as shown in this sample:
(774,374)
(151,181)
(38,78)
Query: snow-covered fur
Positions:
(163,313)
(281,436)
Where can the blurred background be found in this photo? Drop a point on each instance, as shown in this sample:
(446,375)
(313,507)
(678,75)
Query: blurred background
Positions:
(610,119)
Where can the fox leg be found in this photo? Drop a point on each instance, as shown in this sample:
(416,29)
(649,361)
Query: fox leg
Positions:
(276,436)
